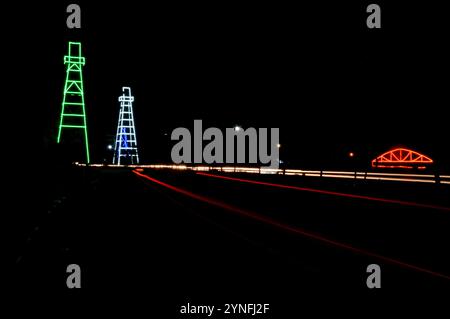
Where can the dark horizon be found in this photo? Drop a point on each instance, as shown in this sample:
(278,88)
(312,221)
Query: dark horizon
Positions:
(331,85)
(342,88)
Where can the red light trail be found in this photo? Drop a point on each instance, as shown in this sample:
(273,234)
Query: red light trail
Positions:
(287,227)
(320,191)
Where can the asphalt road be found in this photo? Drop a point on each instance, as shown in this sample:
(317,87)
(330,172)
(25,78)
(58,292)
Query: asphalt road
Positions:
(208,240)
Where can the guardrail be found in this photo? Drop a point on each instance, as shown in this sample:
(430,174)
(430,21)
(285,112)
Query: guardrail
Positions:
(378,176)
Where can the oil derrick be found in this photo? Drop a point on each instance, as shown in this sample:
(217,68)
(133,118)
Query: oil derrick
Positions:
(73,113)
(125,148)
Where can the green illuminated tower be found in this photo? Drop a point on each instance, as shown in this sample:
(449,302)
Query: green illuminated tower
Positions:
(73,114)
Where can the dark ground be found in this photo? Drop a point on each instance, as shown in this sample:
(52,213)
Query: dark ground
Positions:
(134,239)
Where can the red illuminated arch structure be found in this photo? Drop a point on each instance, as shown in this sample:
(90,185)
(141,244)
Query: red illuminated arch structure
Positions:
(402,158)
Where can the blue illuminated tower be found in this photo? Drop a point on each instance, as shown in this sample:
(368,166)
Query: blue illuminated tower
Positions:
(125,148)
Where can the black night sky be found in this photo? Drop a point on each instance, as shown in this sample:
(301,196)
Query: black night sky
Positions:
(315,71)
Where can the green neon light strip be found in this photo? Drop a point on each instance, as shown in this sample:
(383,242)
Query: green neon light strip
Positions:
(74,81)
(74,126)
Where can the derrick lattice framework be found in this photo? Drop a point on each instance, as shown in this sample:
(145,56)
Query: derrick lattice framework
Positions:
(73,113)
(125,149)
(402,157)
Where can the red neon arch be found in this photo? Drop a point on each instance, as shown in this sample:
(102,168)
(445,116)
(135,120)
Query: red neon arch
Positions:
(403,158)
